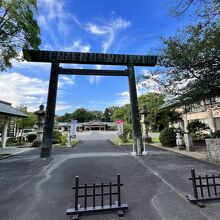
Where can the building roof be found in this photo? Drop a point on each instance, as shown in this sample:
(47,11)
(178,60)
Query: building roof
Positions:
(94,123)
(7,109)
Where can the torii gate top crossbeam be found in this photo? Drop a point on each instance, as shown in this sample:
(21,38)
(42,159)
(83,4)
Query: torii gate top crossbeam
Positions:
(93,72)
(89,58)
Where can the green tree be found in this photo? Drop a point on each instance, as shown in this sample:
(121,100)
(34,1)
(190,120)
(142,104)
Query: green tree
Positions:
(192,63)
(200,68)
(206,10)
(18,29)
(123,113)
(153,102)
(26,122)
(107,115)
(196,128)
(64,118)
(96,115)
(82,115)
(111,110)
(164,116)
(168,137)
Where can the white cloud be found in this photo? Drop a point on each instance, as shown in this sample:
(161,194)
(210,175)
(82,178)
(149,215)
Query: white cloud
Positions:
(19,89)
(109,31)
(99,30)
(54,9)
(77,46)
(42,20)
(31,66)
(94,79)
(63,106)
(65,81)
(124,98)
(150,83)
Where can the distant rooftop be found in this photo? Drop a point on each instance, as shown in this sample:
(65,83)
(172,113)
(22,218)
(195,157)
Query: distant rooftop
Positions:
(7,109)
(61,124)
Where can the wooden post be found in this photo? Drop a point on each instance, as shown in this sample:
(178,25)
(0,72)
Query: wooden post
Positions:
(135,115)
(50,112)
(195,193)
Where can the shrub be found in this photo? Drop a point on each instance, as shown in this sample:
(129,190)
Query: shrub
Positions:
(63,139)
(215,134)
(196,125)
(168,137)
(31,137)
(127,133)
(196,128)
(57,136)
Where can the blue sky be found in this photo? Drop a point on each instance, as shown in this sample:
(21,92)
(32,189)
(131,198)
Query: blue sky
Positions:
(130,27)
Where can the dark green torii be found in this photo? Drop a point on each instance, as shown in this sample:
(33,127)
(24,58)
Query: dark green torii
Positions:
(57,57)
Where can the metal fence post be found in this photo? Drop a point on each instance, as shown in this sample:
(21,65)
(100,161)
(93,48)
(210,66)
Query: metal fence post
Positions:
(76,192)
(119,189)
(85,201)
(102,204)
(93,195)
(110,194)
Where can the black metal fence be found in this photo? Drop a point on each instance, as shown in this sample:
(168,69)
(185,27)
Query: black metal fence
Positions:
(100,196)
(205,188)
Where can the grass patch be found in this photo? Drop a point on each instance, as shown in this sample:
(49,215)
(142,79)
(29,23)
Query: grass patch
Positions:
(131,141)
(155,140)
(117,141)
(72,144)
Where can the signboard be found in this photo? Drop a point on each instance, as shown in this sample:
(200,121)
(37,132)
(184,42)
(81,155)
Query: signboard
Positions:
(89,58)
(120,127)
(73,127)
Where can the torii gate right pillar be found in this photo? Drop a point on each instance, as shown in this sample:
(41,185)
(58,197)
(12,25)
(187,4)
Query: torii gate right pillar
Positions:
(135,115)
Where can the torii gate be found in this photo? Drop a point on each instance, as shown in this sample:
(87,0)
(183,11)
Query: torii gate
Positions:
(57,57)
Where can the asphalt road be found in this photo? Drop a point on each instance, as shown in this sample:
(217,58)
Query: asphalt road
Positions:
(154,186)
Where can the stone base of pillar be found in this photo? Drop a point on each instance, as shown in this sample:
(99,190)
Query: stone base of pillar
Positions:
(146,139)
(188,142)
(45,152)
(139,146)
(36,143)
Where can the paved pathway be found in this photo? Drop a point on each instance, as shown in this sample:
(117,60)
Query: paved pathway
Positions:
(154,186)
(96,135)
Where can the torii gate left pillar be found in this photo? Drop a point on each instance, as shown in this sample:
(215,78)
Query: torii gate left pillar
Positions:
(50,111)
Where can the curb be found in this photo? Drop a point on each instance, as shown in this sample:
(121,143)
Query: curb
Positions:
(189,156)
(64,146)
(13,154)
(4,157)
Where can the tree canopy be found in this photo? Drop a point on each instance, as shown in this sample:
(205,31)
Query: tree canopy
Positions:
(26,122)
(189,69)
(18,29)
(157,116)
(206,10)
(193,64)
(82,115)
